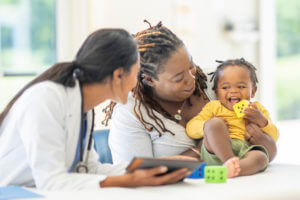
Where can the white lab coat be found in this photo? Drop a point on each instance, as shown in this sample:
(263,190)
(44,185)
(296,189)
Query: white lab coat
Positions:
(38,141)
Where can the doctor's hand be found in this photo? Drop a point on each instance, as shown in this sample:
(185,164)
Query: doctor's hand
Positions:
(146,177)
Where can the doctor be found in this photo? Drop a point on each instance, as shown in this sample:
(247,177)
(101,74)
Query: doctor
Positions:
(45,131)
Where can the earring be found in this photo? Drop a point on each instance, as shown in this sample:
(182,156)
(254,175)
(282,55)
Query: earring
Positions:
(144,82)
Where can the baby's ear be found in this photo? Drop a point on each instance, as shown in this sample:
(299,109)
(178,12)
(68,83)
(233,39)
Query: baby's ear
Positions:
(254,89)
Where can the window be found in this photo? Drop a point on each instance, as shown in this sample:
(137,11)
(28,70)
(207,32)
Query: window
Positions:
(288,60)
(27,42)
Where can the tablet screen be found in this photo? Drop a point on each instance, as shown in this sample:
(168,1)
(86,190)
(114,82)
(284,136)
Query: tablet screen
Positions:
(171,164)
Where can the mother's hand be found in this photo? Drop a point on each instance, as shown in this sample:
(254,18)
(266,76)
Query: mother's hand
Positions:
(254,135)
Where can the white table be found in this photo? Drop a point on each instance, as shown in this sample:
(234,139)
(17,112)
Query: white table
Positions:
(279,181)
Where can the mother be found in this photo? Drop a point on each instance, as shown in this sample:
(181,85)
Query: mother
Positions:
(170,91)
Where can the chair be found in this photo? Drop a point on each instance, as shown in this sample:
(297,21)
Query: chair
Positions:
(101,145)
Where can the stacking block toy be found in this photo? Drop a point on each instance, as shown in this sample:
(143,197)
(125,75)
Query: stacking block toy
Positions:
(239,107)
(215,174)
(198,172)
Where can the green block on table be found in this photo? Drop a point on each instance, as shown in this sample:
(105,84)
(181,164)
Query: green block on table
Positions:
(215,174)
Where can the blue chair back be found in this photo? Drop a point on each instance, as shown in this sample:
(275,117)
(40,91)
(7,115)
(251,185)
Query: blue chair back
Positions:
(101,145)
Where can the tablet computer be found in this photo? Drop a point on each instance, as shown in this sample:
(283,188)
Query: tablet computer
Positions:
(171,164)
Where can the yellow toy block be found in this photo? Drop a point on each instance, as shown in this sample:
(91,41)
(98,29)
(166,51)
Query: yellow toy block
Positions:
(239,107)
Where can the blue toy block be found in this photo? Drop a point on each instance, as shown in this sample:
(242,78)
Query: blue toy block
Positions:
(198,172)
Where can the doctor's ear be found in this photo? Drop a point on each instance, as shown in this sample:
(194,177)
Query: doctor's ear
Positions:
(118,74)
(147,80)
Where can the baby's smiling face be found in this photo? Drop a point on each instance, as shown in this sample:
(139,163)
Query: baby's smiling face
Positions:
(234,84)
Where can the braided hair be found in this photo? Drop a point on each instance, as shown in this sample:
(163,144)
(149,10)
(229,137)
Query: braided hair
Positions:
(234,62)
(156,45)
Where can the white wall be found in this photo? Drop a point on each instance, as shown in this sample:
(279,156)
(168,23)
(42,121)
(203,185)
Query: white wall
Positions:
(199,23)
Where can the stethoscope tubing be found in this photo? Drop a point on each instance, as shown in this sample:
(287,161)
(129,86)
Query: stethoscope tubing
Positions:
(83,127)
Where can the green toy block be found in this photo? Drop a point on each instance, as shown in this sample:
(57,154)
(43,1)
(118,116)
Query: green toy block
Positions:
(215,174)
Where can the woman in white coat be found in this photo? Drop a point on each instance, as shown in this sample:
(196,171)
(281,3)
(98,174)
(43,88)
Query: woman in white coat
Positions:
(46,130)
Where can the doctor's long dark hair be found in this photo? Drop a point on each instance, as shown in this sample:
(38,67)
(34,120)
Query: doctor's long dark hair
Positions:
(101,53)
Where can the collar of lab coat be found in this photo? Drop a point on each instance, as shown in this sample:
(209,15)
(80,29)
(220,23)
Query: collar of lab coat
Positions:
(73,102)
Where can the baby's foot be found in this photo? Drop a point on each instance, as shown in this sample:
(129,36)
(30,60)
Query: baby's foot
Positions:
(233,167)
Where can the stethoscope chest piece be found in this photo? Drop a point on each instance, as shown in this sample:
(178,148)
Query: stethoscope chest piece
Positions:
(81,168)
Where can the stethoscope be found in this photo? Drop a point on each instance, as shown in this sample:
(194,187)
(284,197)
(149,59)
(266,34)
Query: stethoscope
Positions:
(81,166)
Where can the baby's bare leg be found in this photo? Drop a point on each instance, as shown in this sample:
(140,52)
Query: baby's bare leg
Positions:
(217,140)
(253,162)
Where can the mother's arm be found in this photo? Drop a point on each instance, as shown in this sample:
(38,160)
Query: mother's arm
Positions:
(195,151)
(254,135)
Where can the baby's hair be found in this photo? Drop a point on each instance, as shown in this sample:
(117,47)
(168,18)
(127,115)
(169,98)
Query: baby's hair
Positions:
(156,45)
(235,62)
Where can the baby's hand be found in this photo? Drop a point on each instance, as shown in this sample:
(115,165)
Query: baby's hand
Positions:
(253,114)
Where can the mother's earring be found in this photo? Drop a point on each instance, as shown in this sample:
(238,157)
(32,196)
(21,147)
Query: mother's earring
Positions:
(147,80)
(144,82)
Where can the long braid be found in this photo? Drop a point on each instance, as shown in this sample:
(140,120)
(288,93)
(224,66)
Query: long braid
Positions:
(156,45)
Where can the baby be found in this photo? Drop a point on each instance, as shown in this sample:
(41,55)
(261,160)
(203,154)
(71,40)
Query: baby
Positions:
(234,80)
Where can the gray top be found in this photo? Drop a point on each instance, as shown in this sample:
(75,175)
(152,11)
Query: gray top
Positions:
(128,138)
